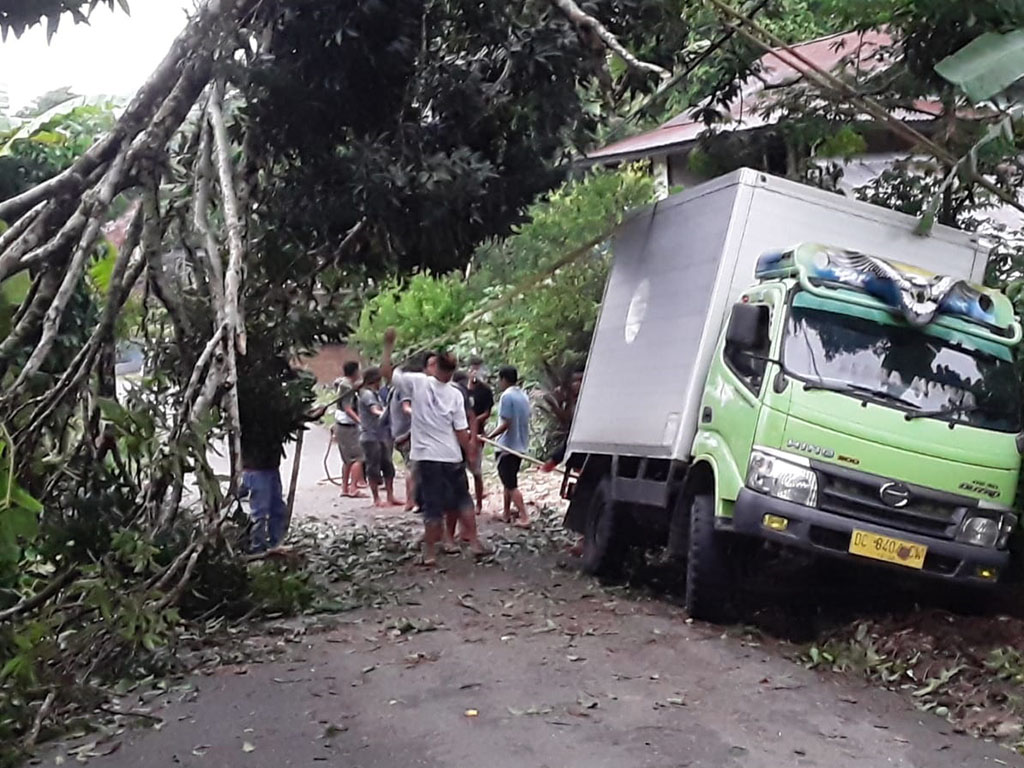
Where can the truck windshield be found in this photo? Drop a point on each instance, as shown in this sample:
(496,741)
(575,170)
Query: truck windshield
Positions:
(905,368)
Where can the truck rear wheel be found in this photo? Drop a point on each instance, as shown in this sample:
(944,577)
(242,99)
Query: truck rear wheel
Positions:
(603,540)
(710,572)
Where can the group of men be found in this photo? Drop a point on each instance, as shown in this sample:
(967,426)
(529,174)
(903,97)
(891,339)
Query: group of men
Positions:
(435,416)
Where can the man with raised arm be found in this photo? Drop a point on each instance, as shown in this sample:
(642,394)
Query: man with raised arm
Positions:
(440,435)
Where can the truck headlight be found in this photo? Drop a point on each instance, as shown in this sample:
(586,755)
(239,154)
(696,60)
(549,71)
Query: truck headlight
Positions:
(979,531)
(782,479)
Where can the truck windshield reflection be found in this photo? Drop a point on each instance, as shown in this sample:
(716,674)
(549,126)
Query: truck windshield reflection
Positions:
(904,367)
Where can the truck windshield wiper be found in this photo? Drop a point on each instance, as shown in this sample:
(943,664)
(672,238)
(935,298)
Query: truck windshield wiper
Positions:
(961,409)
(866,393)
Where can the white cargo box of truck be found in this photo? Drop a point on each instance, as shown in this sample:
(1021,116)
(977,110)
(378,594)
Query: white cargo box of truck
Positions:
(677,268)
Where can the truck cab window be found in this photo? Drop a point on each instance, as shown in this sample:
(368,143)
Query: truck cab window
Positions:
(748,343)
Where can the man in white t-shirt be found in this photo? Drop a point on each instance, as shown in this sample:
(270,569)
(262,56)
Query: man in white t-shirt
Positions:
(440,435)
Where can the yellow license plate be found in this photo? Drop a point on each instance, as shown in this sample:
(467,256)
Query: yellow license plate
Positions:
(888,549)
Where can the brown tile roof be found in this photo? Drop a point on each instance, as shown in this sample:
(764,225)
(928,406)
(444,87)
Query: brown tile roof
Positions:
(856,52)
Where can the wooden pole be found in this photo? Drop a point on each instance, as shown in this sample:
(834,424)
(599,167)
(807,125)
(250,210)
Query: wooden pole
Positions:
(503,449)
(293,485)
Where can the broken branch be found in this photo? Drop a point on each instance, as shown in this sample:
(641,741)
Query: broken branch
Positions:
(584,20)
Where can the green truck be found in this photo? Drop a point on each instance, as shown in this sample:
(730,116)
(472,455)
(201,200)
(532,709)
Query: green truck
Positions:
(777,365)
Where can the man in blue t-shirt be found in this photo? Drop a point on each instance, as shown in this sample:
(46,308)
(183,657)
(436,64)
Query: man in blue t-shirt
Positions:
(513,433)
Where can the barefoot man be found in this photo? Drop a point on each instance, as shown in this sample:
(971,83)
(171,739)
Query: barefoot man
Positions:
(513,432)
(483,403)
(440,434)
(346,430)
(375,439)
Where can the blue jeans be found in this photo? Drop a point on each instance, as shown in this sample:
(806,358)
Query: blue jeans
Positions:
(267,509)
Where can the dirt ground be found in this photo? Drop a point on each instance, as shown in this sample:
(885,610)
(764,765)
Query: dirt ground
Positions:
(522,662)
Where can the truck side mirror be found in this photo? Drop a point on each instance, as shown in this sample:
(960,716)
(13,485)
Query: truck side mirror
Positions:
(748,328)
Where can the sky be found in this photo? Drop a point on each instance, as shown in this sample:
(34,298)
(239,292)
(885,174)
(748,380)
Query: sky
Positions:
(113,55)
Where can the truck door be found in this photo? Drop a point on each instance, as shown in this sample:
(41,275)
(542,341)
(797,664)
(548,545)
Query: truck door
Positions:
(732,397)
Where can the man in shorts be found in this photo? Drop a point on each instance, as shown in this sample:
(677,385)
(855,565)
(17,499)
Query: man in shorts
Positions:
(346,431)
(513,433)
(375,439)
(440,434)
(482,399)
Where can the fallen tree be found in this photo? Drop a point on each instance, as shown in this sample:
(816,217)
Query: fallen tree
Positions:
(281,150)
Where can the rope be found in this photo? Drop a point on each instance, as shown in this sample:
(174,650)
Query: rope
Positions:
(327,472)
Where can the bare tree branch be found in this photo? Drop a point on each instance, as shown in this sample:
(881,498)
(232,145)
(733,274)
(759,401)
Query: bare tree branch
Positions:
(124,275)
(195,42)
(203,174)
(51,322)
(192,389)
(232,279)
(18,228)
(41,715)
(584,20)
(30,604)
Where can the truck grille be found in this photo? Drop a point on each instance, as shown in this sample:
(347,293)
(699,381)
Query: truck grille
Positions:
(856,495)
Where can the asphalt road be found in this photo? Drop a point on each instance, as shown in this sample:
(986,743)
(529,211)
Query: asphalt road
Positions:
(525,664)
(552,671)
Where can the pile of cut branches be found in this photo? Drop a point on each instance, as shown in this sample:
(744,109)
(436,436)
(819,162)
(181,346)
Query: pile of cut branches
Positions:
(967,670)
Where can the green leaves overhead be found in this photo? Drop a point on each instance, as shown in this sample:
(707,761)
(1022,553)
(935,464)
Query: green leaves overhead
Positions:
(987,65)
(438,120)
(18,15)
(19,512)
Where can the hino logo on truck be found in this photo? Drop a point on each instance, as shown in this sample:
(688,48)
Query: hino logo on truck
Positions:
(894,494)
(814,450)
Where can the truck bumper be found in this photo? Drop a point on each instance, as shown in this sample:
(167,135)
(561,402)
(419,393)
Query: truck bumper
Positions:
(829,534)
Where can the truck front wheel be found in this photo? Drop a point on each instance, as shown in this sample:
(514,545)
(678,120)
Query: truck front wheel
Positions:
(710,572)
(603,540)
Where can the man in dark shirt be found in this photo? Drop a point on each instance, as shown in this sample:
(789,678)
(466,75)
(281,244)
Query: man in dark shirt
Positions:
(482,400)
(262,450)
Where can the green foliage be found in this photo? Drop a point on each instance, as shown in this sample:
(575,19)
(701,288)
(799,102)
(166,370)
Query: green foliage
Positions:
(796,21)
(927,32)
(552,321)
(422,309)
(275,588)
(47,145)
(845,143)
(19,516)
(435,121)
(13,291)
(19,15)
(987,65)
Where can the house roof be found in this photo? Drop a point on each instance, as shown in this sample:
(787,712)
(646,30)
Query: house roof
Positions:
(859,53)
